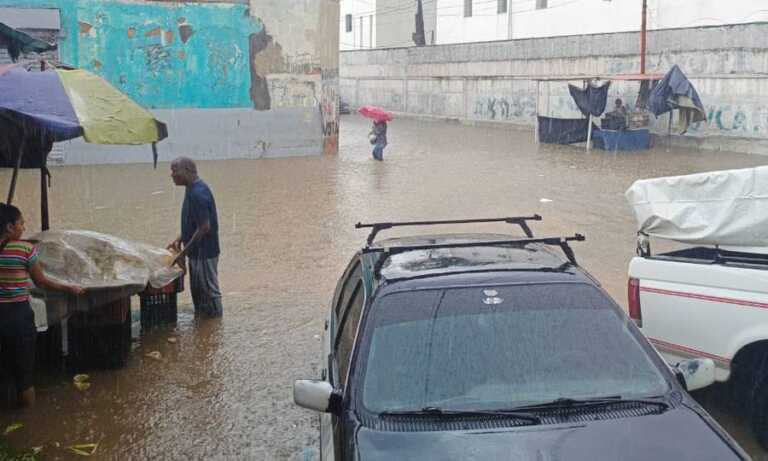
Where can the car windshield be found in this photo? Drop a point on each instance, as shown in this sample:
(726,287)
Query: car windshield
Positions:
(501,347)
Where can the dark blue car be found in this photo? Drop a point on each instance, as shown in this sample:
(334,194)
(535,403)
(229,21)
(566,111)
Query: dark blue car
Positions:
(496,347)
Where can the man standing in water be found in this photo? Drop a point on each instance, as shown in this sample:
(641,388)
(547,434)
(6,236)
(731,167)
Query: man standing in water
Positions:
(199,239)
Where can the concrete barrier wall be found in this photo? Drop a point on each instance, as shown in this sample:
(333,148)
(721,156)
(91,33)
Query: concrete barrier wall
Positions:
(496,81)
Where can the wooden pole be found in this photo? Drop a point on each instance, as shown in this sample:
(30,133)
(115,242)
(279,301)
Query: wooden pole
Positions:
(15,176)
(44,219)
(643,36)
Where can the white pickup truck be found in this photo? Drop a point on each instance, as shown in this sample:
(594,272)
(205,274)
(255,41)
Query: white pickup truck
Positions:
(710,298)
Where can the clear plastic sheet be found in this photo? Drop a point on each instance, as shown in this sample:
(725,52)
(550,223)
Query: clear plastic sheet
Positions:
(97,261)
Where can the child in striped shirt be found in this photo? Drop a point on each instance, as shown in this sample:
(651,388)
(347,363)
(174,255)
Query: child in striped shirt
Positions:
(19,266)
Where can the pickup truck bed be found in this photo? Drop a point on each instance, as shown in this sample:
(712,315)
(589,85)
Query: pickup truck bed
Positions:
(707,302)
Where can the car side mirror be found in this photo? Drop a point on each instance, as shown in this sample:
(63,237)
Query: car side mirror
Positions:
(316,395)
(696,373)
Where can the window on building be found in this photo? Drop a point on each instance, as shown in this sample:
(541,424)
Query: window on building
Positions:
(467,8)
(348,21)
(502,6)
(541,4)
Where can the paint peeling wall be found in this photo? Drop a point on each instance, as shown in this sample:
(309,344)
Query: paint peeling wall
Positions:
(164,55)
(262,55)
(496,81)
(298,61)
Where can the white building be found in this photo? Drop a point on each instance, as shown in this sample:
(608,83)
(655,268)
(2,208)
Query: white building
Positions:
(357,28)
(461,21)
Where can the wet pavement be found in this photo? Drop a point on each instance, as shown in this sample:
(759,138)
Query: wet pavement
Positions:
(224,389)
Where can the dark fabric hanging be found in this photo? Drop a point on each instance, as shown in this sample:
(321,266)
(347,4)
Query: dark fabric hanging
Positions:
(591,100)
(562,130)
(676,91)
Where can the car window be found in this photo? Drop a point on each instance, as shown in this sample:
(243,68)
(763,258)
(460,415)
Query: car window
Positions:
(348,329)
(501,347)
(352,277)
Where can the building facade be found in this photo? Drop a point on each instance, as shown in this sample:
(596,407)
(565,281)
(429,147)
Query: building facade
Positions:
(467,21)
(357,25)
(232,79)
(367,24)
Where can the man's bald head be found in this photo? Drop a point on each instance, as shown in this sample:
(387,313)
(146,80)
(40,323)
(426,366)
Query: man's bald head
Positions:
(183,171)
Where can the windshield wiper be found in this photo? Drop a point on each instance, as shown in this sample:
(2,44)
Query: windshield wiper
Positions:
(591,402)
(436,411)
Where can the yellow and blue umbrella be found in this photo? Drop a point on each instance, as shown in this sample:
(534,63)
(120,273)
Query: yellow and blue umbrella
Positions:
(66,104)
(40,108)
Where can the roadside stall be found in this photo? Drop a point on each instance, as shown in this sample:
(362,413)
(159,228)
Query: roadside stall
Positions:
(620,124)
(38,109)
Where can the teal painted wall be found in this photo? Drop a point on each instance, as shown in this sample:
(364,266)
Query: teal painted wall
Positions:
(141,49)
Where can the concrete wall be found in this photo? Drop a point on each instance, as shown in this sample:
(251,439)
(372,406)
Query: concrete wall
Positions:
(496,81)
(185,59)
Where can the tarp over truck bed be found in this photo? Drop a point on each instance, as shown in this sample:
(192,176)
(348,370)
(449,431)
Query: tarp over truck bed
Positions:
(716,208)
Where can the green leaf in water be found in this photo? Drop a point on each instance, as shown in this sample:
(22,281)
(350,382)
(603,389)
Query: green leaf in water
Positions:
(13,427)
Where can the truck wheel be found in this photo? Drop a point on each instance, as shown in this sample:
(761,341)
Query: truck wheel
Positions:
(759,416)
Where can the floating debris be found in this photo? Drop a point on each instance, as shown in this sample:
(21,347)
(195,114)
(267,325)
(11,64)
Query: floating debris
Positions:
(172,340)
(81,382)
(12,427)
(84,449)
(36,450)
(545,200)
(155,355)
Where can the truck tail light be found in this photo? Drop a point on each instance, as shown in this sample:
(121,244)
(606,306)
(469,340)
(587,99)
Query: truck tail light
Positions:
(633,293)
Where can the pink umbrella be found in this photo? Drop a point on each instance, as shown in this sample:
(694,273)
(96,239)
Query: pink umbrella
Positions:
(376,113)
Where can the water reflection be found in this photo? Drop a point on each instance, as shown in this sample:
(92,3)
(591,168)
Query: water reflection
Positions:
(223,390)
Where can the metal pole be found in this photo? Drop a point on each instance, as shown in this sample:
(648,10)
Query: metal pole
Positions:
(643,37)
(589,133)
(536,121)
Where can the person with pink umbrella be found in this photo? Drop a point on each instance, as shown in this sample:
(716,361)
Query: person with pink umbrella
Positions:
(378,134)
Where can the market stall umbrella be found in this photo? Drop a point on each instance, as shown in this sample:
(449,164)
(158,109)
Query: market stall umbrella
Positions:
(40,108)
(17,42)
(375,113)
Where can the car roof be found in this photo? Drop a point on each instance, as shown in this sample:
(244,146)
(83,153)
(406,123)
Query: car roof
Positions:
(466,266)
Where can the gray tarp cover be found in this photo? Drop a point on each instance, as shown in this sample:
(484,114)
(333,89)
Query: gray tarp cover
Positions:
(716,208)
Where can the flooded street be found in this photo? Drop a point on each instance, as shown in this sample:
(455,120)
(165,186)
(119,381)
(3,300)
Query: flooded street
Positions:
(224,389)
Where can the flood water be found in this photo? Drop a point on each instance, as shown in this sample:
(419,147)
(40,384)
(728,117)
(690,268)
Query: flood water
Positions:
(224,389)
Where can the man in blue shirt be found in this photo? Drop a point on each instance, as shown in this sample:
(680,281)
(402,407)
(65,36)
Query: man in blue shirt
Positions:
(199,239)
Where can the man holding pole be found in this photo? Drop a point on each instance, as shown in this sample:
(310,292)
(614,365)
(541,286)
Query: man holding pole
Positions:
(199,239)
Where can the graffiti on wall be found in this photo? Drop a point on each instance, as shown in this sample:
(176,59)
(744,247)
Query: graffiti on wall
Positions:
(733,120)
(503,108)
(329,111)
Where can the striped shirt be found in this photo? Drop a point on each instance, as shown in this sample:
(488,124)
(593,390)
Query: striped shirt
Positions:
(15,261)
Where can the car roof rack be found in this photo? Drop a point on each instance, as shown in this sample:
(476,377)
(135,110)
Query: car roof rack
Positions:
(521,221)
(561,242)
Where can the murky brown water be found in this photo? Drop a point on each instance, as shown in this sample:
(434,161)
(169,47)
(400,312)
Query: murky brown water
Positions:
(224,390)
